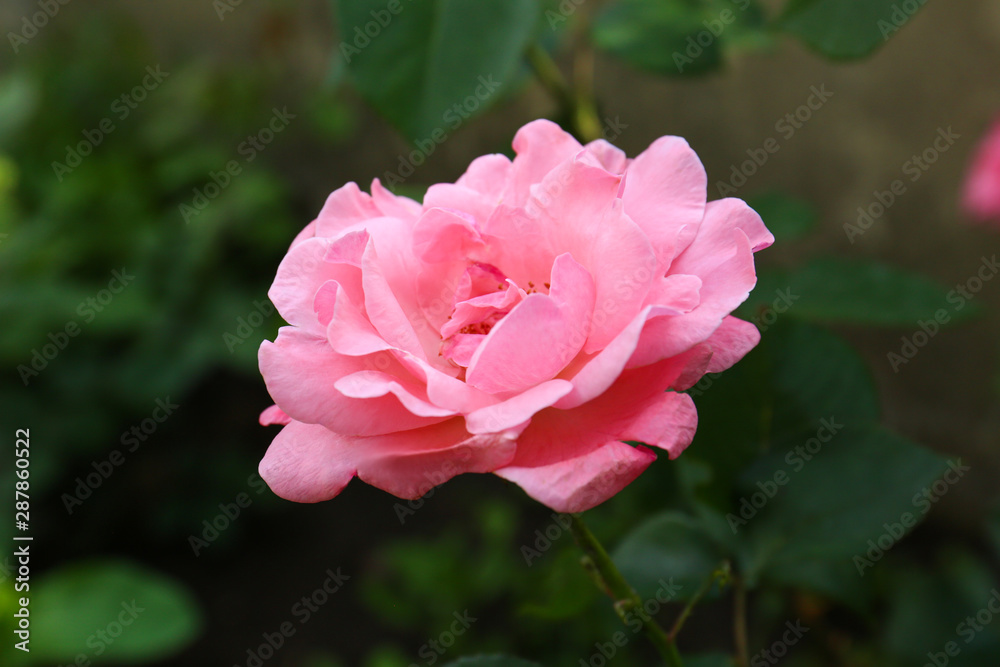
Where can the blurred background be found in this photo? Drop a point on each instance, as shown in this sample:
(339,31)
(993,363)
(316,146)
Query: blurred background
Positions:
(156,159)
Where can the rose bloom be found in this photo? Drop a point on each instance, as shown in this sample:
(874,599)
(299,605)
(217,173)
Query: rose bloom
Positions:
(524,321)
(981,194)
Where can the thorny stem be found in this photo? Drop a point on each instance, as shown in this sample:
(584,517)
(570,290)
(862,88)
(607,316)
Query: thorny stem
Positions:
(606,573)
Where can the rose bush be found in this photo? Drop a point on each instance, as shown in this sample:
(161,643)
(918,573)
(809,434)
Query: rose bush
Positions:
(525,321)
(981,194)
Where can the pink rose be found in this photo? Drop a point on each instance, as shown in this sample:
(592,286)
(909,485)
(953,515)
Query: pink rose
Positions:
(981,196)
(524,321)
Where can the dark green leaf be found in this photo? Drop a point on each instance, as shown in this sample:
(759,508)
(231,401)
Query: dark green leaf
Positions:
(149,615)
(823,496)
(674,37)
(846,28)
(435,63)
(853,291)
(670,548)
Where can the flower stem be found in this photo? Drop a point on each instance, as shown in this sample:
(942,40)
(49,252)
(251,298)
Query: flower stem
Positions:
(606,573)
(740,623)
(577,102)
(720,574)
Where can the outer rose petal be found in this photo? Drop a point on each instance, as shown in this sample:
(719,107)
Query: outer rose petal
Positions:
(308,463)
(730,343)
(274,415)
(345,207)
(577,484)
(540,146)
(300,371)
(305,463)
(665,189)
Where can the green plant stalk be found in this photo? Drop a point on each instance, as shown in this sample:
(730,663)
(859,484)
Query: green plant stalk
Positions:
(578,102)
(621,592)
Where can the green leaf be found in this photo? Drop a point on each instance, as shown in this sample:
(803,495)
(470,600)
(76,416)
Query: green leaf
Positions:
(841,489)
(491,661)
(134,614)
(434,64)
(674,37)
(853,291)
(787,217)
(670,548)
(929,605)
(798,375)
(845,28)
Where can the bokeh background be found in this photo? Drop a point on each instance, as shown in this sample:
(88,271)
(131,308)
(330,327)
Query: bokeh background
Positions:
(185,329)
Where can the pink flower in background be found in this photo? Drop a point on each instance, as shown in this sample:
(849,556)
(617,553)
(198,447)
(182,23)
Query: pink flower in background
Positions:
(981,196)
(525,321)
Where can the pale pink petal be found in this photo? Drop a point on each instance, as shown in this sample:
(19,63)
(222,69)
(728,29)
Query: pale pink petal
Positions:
(410,464)
(539,336)
(518,409)
(375,384)
(668,423)
(608,155)
(301,274)
(273,415)
(300,372)
(487,175)
(344,208)
(583,482)
(540,146)
(443,234)
(730,343)
(726,285)
(665,190)
(306,463)
(394,206)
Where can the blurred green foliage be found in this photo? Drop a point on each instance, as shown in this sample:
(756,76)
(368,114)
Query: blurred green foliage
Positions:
(763,494)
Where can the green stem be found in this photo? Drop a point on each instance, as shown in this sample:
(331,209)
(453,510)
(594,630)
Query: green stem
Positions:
(621,592)
(577,102)
(723,574)
(740,622)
